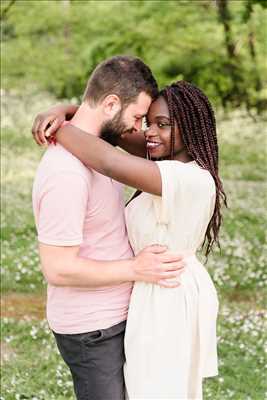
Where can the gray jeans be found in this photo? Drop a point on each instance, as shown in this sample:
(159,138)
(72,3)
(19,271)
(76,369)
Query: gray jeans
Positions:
(96,362)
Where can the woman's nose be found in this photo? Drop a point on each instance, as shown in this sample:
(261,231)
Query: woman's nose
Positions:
(150,132)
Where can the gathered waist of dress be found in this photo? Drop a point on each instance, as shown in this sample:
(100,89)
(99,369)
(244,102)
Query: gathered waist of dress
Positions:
(192,266)
(191,260)
(188,255)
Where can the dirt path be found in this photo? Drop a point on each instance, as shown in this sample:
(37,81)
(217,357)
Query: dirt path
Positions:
(23,306)
(20,306)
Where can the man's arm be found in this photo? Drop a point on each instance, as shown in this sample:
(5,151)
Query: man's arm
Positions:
(62,266)
(61,201)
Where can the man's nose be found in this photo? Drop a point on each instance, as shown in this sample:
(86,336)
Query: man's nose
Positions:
(138,125)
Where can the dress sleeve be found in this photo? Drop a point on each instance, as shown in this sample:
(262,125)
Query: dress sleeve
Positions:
(62,209)
(186,186)
(171,180)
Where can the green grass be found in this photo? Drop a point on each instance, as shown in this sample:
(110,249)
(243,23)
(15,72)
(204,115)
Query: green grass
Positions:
(37,371)
(34,369)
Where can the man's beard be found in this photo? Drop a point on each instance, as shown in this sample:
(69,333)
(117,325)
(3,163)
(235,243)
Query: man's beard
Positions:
(112,130)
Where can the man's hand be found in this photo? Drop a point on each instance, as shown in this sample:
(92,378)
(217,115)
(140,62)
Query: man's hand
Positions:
(155,264)
(47,123)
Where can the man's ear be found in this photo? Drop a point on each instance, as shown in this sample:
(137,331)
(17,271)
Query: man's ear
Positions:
(111,105)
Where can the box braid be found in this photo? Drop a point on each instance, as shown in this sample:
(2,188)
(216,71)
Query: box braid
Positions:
(191,110)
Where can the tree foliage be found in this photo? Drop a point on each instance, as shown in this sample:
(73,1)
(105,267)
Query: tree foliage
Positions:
(218,45)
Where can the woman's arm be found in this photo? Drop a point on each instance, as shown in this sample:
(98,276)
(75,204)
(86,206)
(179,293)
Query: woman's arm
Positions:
(48,122)
(97,154)
(133,143)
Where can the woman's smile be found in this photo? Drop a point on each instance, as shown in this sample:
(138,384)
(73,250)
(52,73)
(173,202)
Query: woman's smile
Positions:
(151,145)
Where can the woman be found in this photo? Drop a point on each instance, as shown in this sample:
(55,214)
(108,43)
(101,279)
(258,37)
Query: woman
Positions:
(170,340)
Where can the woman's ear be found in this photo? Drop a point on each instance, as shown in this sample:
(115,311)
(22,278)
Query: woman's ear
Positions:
(111,105)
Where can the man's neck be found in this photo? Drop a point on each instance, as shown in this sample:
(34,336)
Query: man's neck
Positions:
(87,119)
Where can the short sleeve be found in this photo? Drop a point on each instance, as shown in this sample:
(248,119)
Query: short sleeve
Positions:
(170,180)
(62,209)
(184,185)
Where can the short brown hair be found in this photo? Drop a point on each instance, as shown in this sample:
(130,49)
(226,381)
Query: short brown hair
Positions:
(124,76)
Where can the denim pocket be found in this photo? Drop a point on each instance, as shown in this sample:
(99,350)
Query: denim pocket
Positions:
(92,337)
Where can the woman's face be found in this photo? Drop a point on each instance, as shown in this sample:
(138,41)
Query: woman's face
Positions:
(158,134)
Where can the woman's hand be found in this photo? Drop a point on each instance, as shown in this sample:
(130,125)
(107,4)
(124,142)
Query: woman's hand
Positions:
(47,123)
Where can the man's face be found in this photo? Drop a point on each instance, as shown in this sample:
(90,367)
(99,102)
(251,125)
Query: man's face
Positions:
(128,120)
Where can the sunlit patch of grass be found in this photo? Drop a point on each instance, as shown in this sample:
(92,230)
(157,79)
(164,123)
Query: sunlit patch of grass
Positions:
(243,147)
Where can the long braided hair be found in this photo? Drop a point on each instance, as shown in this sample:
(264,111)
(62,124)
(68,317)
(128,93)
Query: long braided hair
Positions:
(191,110)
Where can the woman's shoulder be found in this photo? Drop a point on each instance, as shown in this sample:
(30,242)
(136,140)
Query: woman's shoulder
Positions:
(189,175)
(190,168)
(202,177)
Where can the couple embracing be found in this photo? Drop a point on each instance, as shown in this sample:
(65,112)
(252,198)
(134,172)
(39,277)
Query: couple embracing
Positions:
(106,264)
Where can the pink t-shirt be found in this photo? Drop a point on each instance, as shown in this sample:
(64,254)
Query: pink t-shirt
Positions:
(74,205)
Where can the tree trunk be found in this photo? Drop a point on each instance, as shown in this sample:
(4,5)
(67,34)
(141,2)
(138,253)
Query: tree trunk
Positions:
(225,19)
(6,9)
(237,93)
(252,49)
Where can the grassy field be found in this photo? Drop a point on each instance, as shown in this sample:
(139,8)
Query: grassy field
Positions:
(32,367)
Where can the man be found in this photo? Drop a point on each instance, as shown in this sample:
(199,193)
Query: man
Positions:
(81,231)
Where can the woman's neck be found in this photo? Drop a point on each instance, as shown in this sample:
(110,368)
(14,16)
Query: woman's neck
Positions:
(182,155)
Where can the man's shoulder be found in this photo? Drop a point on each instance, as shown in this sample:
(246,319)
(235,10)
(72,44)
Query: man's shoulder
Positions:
(60,169)
(57,160)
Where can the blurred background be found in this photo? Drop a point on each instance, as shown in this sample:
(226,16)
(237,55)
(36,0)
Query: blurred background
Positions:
(49,48)
(219,45)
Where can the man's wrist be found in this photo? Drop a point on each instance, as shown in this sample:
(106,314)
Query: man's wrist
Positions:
(131,275)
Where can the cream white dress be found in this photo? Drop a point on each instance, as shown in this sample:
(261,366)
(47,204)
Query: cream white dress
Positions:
(170,340)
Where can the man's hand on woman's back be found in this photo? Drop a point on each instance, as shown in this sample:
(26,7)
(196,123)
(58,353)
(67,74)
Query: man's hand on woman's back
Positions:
(156,264)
